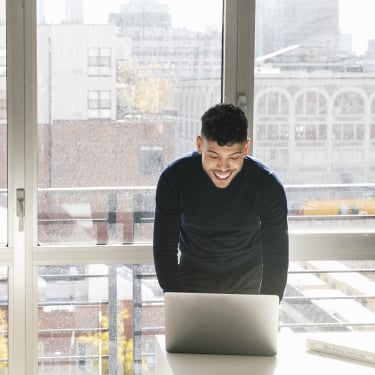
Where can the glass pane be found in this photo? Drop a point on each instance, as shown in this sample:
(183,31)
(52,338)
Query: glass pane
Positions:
(3,132)
(4,328)
(85,311)
(314,72)
(307,53)
(98,319)
(329,296)
(121,88)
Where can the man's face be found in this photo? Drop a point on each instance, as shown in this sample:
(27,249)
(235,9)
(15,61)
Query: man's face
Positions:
(222,163)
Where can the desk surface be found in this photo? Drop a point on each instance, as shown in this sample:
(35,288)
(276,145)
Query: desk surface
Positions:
(292,358)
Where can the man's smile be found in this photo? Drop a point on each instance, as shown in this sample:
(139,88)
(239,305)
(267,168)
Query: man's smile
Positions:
(222,175)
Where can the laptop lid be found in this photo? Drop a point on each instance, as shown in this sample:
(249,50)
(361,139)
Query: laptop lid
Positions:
(235,324)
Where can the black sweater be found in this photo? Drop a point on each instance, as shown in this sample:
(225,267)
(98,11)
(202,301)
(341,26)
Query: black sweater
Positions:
(217,230)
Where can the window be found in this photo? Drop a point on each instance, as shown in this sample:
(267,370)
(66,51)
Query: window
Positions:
(99,104)
(3,132)
(92,92)
(311,116)
(115,88)
(271,129)
(5,331)
(99,61)
(300,82)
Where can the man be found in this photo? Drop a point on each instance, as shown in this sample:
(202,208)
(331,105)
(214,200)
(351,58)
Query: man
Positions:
(224,213)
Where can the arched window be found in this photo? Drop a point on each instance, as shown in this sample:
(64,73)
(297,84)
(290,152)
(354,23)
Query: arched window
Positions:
(348,117)
(311,117)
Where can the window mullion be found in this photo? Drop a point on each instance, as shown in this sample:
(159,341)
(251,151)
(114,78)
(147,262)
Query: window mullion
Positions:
(16,180)
(239,39)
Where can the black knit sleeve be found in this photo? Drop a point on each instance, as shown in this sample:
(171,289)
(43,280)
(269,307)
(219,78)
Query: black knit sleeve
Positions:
(275,242)
(167,232)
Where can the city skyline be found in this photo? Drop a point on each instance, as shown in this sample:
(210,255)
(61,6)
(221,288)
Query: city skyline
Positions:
(198,21)
(355,16)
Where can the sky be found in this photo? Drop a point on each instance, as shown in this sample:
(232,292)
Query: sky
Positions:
(193,14)
(356,16)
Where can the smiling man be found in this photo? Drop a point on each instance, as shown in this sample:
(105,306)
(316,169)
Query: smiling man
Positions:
(221,215)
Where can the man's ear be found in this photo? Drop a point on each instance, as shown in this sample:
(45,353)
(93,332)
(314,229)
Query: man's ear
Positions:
(247,146)
(199,143)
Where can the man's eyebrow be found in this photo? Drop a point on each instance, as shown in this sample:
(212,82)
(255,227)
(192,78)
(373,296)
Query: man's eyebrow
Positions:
(216,153)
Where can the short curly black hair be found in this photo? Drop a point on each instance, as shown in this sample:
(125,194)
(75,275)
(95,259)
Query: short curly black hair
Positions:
(225,124)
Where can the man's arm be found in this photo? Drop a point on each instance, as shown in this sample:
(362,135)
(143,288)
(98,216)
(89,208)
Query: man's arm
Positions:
(166,235)
(275,241)
(275,262)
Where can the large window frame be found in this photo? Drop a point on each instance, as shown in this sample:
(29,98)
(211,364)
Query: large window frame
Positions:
(326,244)
(23,255)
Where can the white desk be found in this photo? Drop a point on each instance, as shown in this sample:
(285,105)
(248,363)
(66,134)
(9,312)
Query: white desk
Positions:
(292,358)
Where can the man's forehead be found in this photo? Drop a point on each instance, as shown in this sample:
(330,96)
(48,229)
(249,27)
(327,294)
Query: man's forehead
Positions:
(212,146)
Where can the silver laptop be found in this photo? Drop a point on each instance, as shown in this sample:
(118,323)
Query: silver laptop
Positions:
(235,324)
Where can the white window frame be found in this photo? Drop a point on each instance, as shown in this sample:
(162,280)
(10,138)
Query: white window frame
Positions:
(238,78)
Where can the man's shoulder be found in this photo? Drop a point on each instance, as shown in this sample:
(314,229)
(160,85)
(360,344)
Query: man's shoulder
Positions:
(184,161)
(179,171)
(254,163)
(260,169)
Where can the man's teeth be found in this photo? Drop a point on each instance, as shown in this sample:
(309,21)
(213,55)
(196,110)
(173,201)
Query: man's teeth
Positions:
(222,176)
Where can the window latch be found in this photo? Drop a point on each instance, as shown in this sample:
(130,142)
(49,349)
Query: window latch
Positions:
(20,195)
(242,102)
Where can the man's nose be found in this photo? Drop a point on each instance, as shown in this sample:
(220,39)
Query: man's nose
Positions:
(223,163)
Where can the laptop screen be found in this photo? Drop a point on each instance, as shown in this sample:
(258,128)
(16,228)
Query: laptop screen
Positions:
(236,324)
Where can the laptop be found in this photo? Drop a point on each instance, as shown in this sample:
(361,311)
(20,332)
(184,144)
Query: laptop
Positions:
(233,324)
